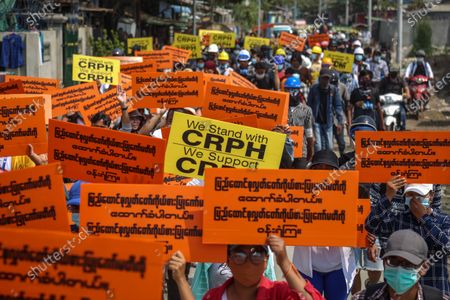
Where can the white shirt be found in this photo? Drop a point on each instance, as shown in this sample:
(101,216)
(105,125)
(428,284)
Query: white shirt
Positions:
(326,259)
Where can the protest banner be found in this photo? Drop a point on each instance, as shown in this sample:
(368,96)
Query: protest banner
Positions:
(47,102)
(181,38)
(44,264)
(102,155)
(35,85)
(143,43)
(226,101)
(91,68)
(304,207)
(342,62)
(205,34)
(22,123)
(252,42)
(291,41)
(208,77)
(238,80)
(223,40)
(363,213)
(127,87)
(161,58)
(317,39)
(188,42)
(169,214)
(106,103)
(125,60)
(12,87)
(297,137)
(180,89)
(178,55)
(250,121)
(419,156)
(69,99)
(33,198)
(196,143)
(130,69)
(171,179)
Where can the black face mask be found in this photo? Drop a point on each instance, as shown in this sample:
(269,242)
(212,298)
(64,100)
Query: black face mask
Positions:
(393,75)
(294,100)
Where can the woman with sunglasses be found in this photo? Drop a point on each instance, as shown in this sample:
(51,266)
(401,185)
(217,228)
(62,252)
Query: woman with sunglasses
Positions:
(247,264)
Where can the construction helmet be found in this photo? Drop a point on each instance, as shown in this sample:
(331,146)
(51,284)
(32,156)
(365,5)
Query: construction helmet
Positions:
(292,83)
(280,51)
(213,48)
(327,61)
(224,56)
(244,55)
(317,50)
(359,50)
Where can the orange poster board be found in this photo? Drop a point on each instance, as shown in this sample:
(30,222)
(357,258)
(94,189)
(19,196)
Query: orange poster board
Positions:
(292,41)
(161,58)
(12,87)
(179,55)
(69,99)
(125,60)
(297,137)
(103,155)
(238,80)
(207,77)
(251,121)
(171,179)
(130,69)
(58,265)
(317,39)
(246,206)
(22,122)
(180,89)
(33,198)
(47,102)
(171,214)
(363,213)
(36,85)
(419,156)
(106,102)
(226,101)
(125,81)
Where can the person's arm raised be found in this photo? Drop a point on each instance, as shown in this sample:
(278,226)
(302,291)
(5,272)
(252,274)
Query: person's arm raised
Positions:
(177,265)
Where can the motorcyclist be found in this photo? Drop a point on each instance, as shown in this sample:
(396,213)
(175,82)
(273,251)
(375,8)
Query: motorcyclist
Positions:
(419,67)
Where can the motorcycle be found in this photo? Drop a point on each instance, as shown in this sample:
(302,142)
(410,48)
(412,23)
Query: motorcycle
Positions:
(391,105)
(418,89)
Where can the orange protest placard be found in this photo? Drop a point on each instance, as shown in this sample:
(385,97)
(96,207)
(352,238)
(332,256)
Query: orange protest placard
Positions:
(106,102)
(171,214)
(292,41)
(419,156)
(180,89)
(36,85)
(103,155)
(161,58)
(127,87)
(304,207)
(179,55)
(69,99)
(33,198)
(43,264)
(12,87)
(251,121)
(171,179)
(297,137)
(125,60)
(22,122)
(226,101)
(207,77)
(47,102)
(317,39)
(238,80)
(363,213)
(130,69)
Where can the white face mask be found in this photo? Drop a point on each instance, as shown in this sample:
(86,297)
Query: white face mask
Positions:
(260,76)
(420,59)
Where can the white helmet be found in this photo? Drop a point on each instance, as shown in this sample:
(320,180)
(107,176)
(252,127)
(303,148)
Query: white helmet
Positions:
(359,50)
(243,55)
(213,48)
(341,36)
(357,43)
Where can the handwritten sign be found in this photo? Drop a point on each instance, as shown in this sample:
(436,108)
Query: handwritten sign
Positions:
(42,264)
(363,213)
(22,123)
(301,206)
(90,68)
(144,43)
(292,41)
(178,55)
(224,40)
(297,137)
(180,89)
(161,58)
(197,143)
(68,99)
(12,87)
(342,62)
(131,69)
(226,101)
(317,39)
(251,42)
(103,155)
(170,214)
(238,80)
(419,156)
(35,85)
(33,198)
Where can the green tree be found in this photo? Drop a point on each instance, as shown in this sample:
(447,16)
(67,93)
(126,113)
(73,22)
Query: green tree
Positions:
(106,44)
(246,16)
(422,37)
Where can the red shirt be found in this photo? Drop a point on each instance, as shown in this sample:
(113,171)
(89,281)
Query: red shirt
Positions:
(267,290)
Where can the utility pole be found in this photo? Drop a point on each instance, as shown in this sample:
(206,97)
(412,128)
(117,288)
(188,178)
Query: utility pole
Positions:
(400,32)
(320,7)
(259,18)
(295,11)
(194,21)
(347,11)
(369,19)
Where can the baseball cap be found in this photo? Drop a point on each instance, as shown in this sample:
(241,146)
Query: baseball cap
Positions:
(421,189)
(408,245)
(74,193)
(325,73)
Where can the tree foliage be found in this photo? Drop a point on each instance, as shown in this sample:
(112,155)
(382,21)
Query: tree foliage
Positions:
(422,37)
(103,46)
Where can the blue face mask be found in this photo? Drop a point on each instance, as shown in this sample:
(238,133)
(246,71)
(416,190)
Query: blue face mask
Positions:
(313,56)
(224,66)
(400,279)
(288,57)
(359,57)
(280,67)
(201,66)
(243,72)
(76,218)
(377,58)
(424,200)
(253,61)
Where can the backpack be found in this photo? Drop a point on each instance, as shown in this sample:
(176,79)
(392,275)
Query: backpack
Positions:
(429,293)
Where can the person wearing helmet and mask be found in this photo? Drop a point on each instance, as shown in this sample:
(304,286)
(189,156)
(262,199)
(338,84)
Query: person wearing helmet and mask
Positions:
(300,114)
(264,78)
(419,67)
(316,62)
(224,63)
(378,67)
(359,63)
(280,62)
(297,65)
(243,64)
(213,52)
(280,51)
(356,44)
(327,63)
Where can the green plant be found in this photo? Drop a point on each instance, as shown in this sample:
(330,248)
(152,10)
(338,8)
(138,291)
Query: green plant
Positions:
(422,38)
(104,45)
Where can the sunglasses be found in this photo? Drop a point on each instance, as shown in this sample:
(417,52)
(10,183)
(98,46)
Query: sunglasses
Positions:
(255,256)
(395,262)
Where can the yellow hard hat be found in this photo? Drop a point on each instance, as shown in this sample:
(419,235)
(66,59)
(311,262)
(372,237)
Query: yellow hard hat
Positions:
(317,50)
(327,61)
(224,56)
(281,52)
